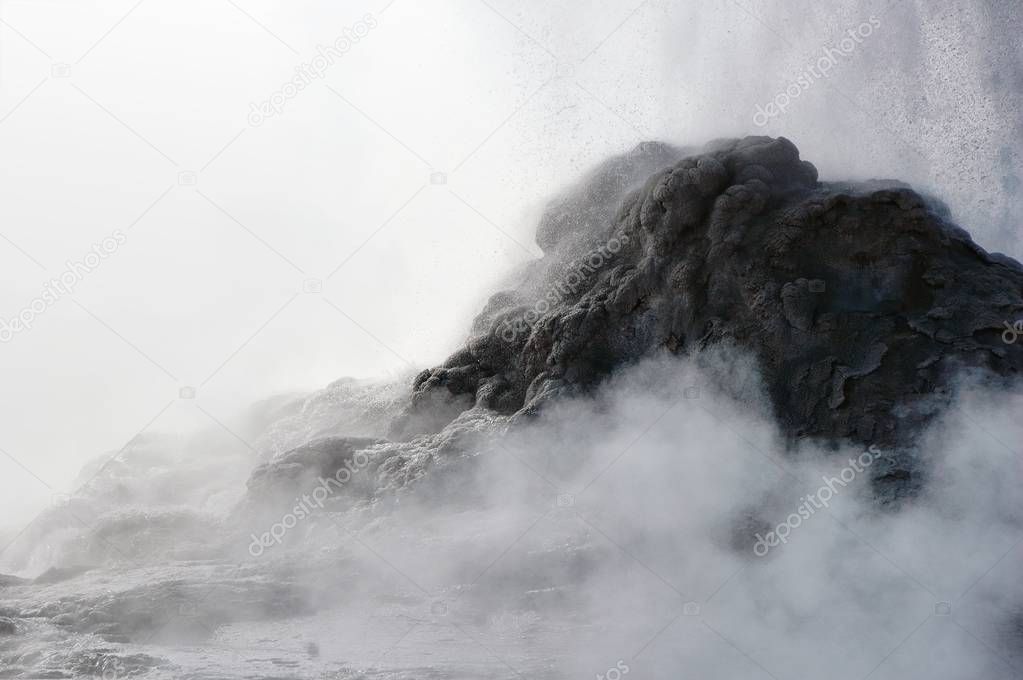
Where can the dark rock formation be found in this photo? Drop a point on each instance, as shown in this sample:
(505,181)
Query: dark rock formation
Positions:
(304,465)
(861,302)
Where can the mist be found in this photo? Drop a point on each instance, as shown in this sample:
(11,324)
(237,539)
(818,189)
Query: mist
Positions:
(618,531)
(235,229)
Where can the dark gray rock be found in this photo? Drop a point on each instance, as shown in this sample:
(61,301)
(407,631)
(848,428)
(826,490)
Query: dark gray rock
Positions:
(303,467)
(861,302)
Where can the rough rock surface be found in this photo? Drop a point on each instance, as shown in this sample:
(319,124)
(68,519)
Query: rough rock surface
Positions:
(304,467)
(320,457)
(373,465)
(860,302)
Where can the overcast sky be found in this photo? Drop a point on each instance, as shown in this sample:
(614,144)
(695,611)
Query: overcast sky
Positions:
(355,229)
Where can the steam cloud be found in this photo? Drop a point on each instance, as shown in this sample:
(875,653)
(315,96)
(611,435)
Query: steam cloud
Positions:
(617,531)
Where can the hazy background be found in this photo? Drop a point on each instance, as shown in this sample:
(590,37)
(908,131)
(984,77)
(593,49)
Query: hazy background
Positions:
(404,184)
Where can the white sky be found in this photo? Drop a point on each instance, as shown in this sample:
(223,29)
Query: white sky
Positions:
(103,104)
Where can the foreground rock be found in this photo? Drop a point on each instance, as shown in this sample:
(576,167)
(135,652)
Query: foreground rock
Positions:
(861,303)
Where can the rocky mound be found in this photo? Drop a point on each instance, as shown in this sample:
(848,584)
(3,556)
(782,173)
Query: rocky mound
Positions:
(861,302)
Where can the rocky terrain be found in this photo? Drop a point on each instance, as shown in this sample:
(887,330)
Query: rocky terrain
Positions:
(861,303)
(812,317)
